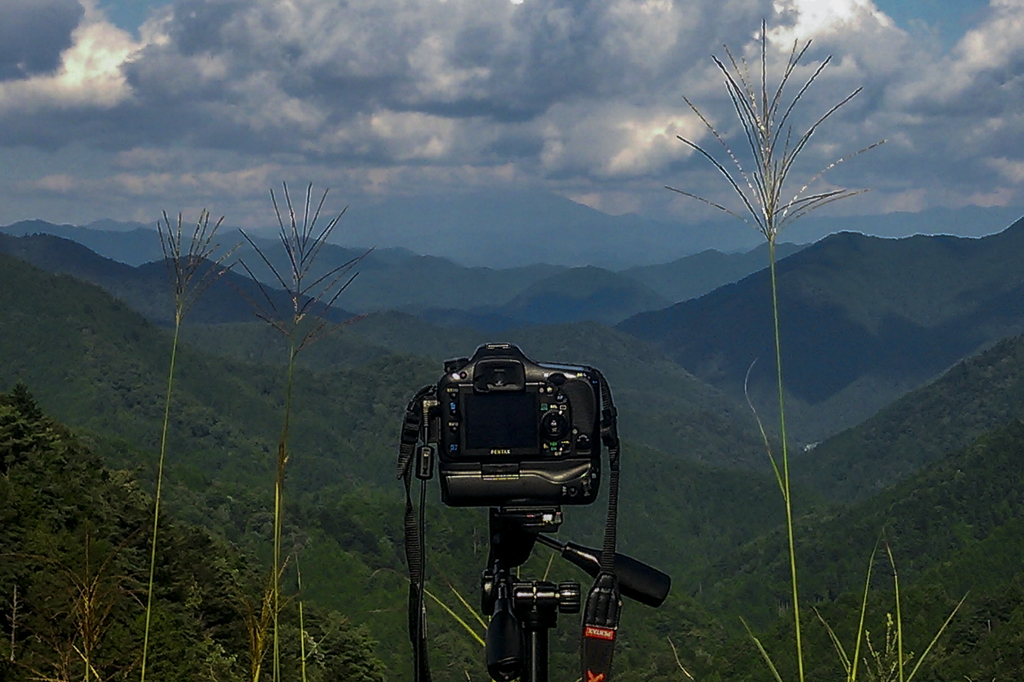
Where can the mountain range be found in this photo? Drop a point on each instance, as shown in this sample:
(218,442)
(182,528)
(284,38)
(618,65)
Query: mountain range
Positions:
(502,230)
(863,320)
(437,289)
(931,322)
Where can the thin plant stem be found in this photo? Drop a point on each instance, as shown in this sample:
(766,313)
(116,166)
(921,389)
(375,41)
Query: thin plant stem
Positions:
(14,620)
(461,621)
(302,619)
(159,488)
(469,608)
(282,461)
(786,490)
(679,663)
(773,150)
(899,611)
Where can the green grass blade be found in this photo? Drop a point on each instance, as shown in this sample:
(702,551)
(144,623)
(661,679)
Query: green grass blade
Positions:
(159,486)
(863,613)
(764,654)
(843,658)
(457,618)
(936,638)
(899,615)
(469,608)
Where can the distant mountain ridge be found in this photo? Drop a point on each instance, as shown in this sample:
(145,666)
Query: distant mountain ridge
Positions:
(147,289)
(695,275)
(667,405)
(439,289)
(863,320)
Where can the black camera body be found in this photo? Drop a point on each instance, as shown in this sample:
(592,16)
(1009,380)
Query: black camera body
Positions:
(513,432)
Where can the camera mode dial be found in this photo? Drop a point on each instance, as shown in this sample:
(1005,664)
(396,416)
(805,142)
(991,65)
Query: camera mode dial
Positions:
(554,426)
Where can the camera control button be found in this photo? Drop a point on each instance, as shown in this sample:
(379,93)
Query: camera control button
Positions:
(583,441)
(554,425)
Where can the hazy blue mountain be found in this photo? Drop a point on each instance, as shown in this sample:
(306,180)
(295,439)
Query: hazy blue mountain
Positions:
(134,247)
(502,230)
(109,225)
(147,289)
(587,293)
(396,280)
(967,221)
(498,230)
(508,229)
(863,320)
(693,276)
(389,279)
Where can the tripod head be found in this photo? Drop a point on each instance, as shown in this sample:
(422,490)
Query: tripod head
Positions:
(522,611)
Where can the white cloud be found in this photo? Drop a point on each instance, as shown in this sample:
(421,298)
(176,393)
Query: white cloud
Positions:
(583,98)
(815,18)
(89,73)
(414,136)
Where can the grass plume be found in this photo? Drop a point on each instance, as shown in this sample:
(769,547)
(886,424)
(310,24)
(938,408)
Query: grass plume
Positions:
(765,114)
(302,237)
(192,271)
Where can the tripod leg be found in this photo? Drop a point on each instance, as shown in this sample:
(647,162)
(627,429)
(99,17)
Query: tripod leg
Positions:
(536,669)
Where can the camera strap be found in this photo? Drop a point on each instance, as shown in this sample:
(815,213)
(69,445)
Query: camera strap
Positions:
(600,622)
(414,554)
(604,603)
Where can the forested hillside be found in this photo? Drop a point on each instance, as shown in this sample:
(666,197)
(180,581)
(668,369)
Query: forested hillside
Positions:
(863,319)
(695,500)
(103,368)
(954,530)
(73,570)
(979,394)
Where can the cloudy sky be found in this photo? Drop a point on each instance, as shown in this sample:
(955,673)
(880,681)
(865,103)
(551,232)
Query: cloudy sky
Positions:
(124,108)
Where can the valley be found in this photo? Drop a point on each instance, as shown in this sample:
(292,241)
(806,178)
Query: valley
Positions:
(903,361)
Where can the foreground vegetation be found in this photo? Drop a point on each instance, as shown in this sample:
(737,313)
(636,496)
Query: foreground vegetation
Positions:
(953,527)
(74,570)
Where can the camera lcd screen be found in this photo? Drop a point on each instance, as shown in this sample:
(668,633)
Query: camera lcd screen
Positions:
(504,421)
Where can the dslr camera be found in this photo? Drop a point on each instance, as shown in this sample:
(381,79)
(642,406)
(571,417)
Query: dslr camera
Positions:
(513,432)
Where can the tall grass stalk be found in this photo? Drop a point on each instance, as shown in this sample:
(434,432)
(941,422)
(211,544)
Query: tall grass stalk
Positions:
(310,296)
(191,271)
(302,619)
(14,621)
(765,116)
(258,619)
(93,594)
(885,668)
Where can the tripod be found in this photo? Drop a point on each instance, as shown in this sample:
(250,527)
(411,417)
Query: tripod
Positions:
(522,611)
